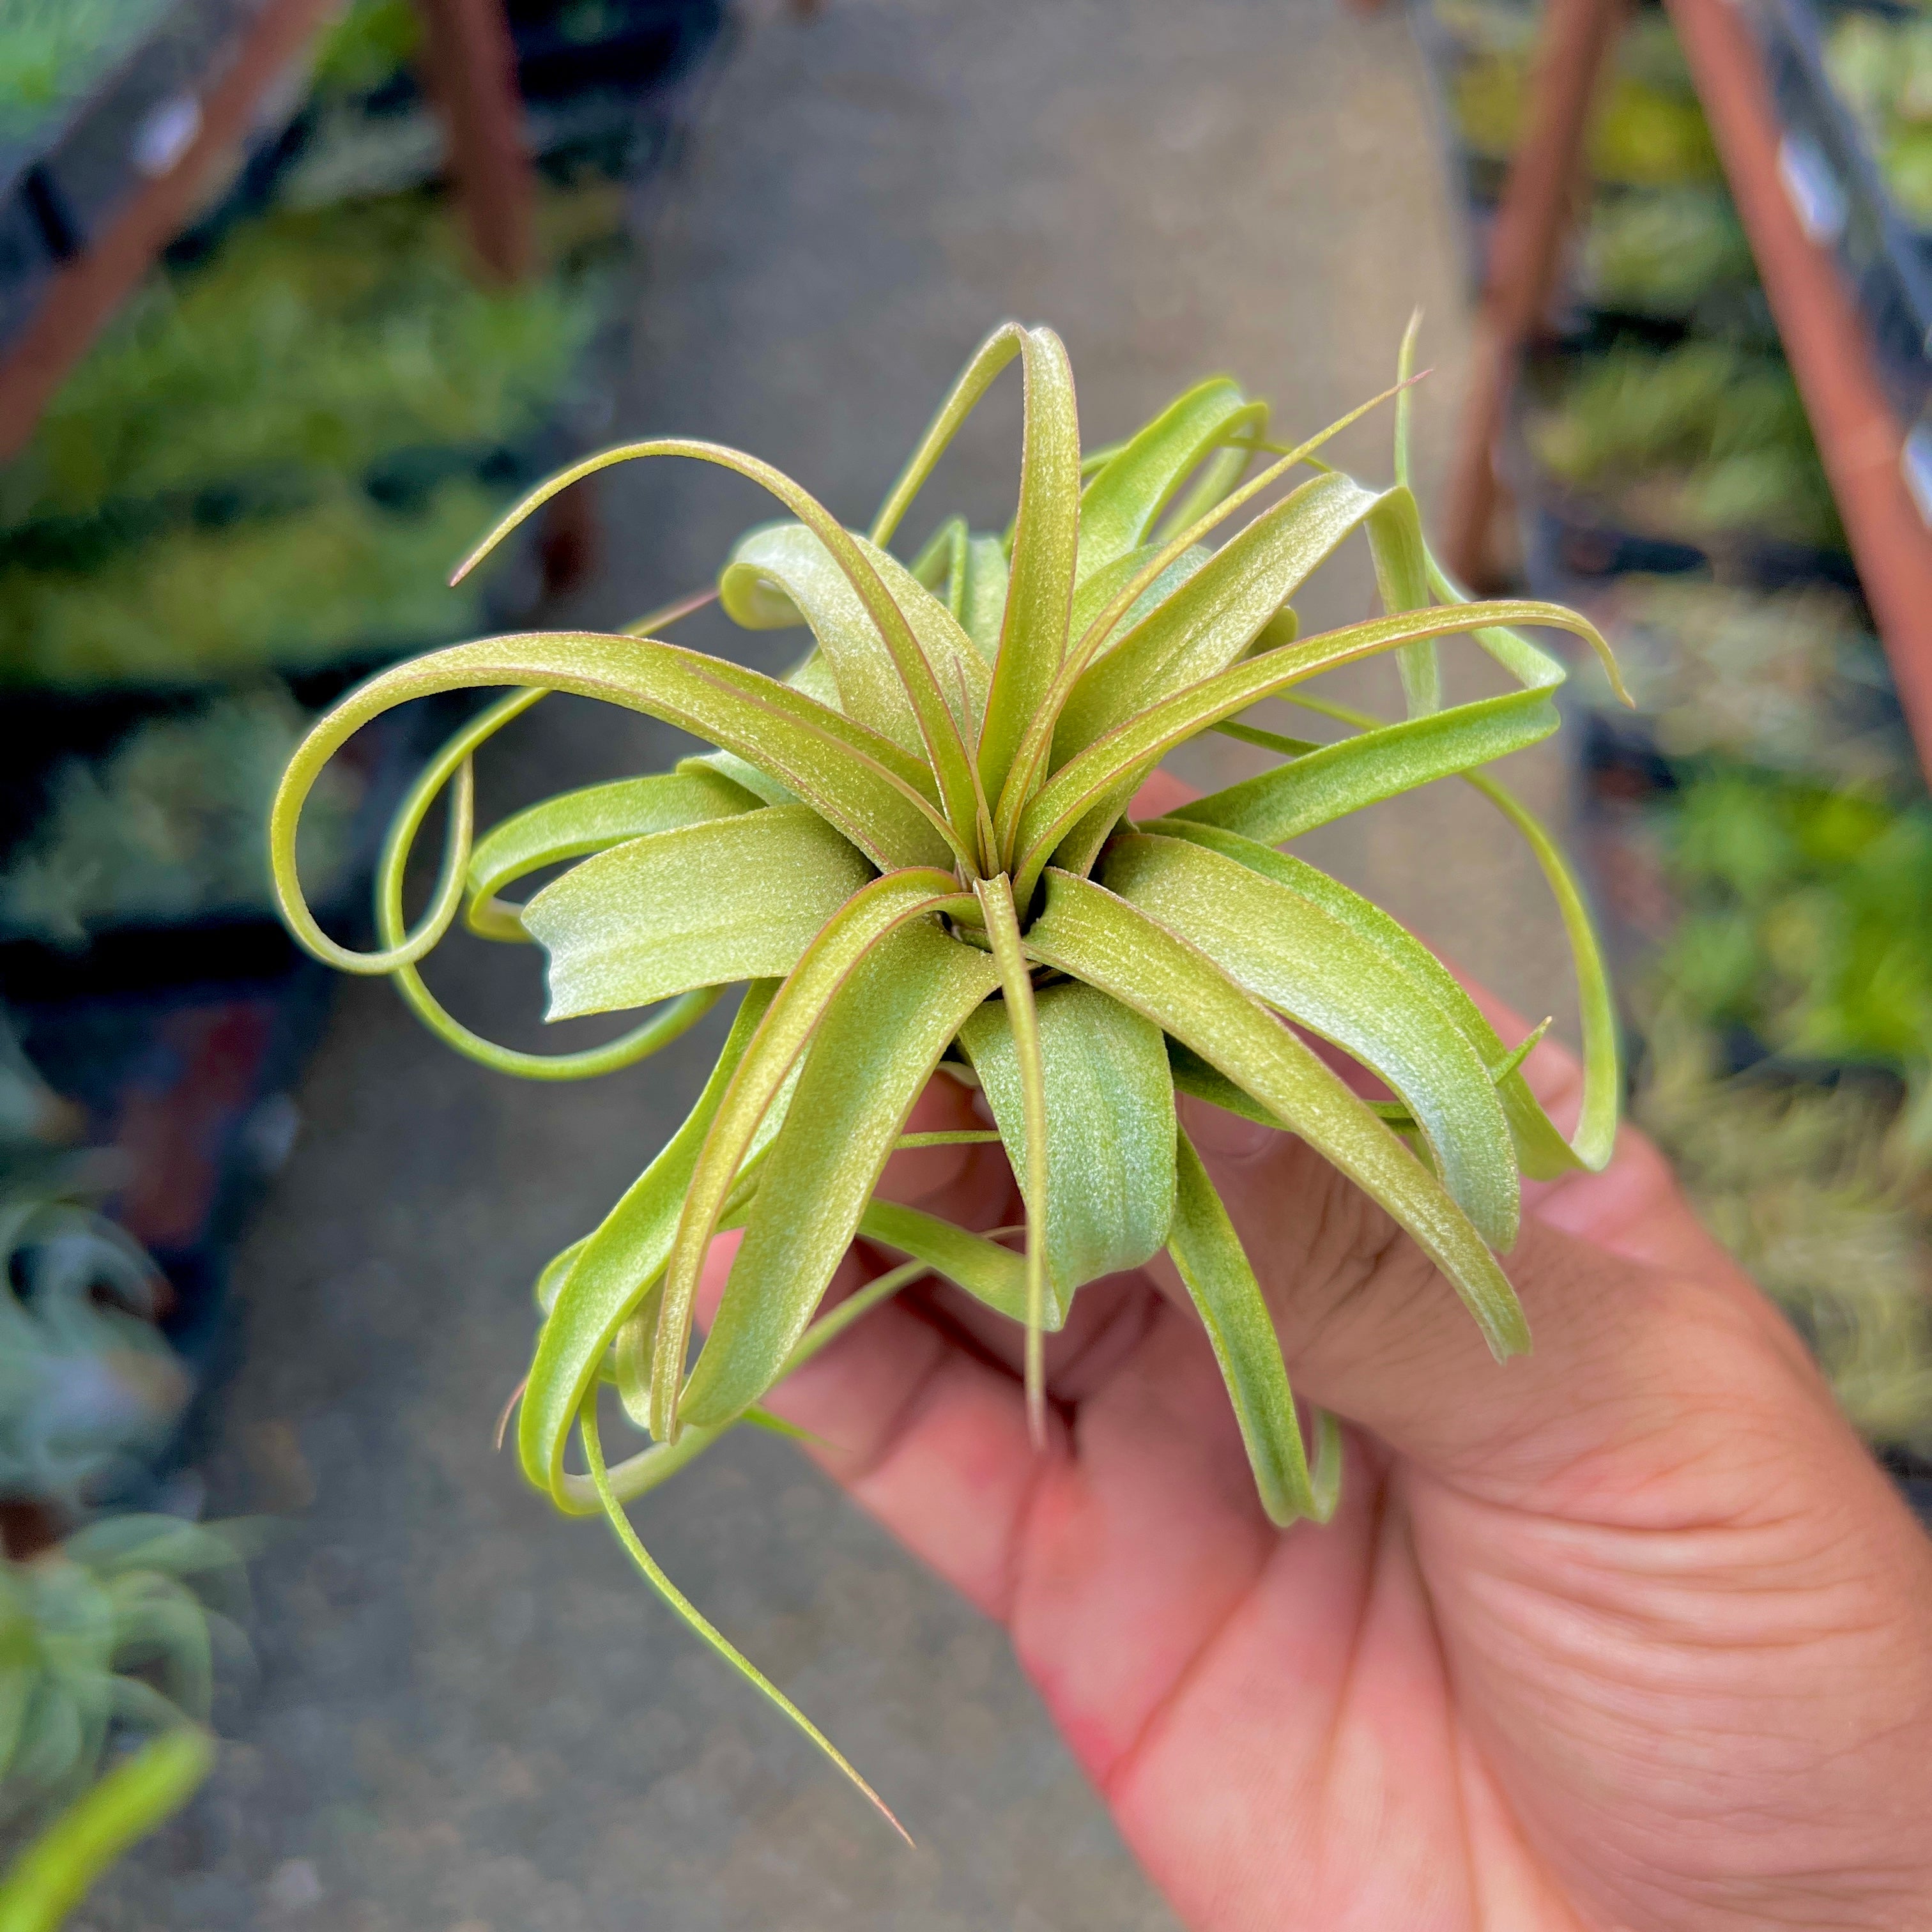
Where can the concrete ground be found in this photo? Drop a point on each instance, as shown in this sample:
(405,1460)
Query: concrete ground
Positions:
(470,1716)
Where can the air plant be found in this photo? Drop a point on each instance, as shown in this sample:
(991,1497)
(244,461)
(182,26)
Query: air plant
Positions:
(916,852)
(89,1385)
(114,1633)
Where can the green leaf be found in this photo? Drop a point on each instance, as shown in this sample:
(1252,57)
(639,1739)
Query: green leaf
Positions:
(982,595)
(1094,936)
(1402,575)
(1318,787)
(941,564)
(1219,475)
(1110,1126)
(1285,949)
(638,1474)
(1090,792)
(1205,625)
(982,369)
(870,1055)
(1545,1153)
(786,568)
(857,779)
(51,1877)
(1039,593)
(1104,586)
(1208,1255)
(641,1041)
(1120,506)
(734,898)
(1595,1138)
(455,761)
(575,823)
(1167,548)
(1541,1150)
(968,574)
(1022,1024)
(868,917)
(987,1272)
(695,1621)
(607,1275)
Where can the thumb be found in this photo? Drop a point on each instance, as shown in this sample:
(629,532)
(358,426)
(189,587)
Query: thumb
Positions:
(1660,1357)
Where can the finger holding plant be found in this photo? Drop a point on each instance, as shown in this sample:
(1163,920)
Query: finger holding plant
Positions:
(915,855)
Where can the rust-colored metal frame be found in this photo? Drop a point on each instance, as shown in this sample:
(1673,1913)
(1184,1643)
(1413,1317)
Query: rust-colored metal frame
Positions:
(89,289)
(1547,180)
(1860,438)
(471,65)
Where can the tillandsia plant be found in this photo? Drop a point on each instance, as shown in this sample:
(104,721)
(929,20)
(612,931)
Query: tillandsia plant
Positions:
(916,853)
(116,1633)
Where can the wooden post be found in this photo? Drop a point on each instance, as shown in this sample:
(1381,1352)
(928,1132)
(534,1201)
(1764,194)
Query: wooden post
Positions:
(1525,252)
(470,64)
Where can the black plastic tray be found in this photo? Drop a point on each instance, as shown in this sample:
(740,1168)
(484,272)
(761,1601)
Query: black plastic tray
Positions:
(217,945)
(606,100)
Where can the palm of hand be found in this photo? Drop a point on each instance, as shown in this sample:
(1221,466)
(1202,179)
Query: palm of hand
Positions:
(1629,1634)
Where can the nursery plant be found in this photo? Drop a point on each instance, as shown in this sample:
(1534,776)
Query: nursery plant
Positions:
(163,826)
(89,1385)
(59,1869)
(114,1633)
(917,855)
(1815,1185)
(1702,439)
(109,1646)
(1789,680)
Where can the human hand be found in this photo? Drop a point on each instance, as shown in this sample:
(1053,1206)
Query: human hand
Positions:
(1630,1632)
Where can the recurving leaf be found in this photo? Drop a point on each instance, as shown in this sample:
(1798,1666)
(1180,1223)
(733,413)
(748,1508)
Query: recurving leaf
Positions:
(860,781)
(1541,1150)
(1318,786)
(1121,503)
(1203,626)
(1079,804)
(604,1278)
(950,766)
(872,913)
(783,574)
